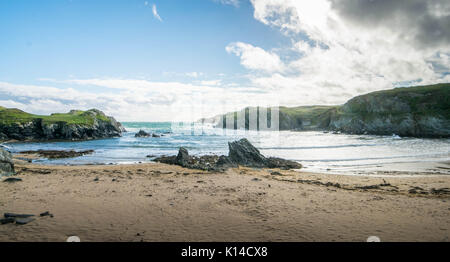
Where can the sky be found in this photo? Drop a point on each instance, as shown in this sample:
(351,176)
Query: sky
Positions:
(172,60)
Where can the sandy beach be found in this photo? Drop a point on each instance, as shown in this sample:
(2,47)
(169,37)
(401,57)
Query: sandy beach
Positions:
(158,202)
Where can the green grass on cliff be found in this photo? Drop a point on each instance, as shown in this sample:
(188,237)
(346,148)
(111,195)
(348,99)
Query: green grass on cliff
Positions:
(9,116)
(421,100)
(307,112)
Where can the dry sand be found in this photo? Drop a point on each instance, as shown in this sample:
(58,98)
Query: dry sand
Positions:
(158,202)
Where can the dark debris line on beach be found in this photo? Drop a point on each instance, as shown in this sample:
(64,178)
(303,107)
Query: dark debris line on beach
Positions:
(21,219)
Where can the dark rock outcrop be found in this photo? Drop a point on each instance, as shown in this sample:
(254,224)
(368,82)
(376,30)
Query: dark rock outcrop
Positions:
(241,152)
(274,162)
(142,133)
(183,157)
(208,162)
(56,154)
(6,163)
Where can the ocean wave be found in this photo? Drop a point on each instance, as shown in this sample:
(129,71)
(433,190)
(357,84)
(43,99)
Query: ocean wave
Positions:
(442,155)
(317,147)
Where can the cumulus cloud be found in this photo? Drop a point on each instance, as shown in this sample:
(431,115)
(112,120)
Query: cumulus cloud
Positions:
(256,58)
(155,13)
(349,47)
(424,23)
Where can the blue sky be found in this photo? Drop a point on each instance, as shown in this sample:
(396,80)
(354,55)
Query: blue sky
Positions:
(162,60)
(121,38)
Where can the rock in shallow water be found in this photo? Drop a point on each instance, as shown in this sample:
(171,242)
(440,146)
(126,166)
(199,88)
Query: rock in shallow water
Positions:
(142,133)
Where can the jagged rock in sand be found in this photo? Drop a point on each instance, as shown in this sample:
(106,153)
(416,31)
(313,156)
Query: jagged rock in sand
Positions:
(56,154)
(183,157)
(6,163)
(225,162)
(274,162)
(242,153)
(142,133)
(208,162)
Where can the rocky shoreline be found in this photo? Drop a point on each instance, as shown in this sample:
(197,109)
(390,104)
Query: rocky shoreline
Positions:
(241,153)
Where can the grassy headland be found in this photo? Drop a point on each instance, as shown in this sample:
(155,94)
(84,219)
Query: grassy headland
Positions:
(420,111)
(10,116)
(76,124)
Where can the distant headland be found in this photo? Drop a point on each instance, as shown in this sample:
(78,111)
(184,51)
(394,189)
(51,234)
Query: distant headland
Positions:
(420,111)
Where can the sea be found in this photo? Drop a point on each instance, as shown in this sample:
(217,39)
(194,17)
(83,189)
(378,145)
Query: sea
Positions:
(317,151)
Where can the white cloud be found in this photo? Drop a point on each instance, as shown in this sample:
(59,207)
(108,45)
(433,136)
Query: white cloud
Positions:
(256,58)
(194,74)
(339,55)
(210,82)
(133,99)
(155,13)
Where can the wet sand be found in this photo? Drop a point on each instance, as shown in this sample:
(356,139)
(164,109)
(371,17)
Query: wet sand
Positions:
(158,202)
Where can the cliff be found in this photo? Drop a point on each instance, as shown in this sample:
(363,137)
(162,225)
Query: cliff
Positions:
(75,125)
(421,111)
